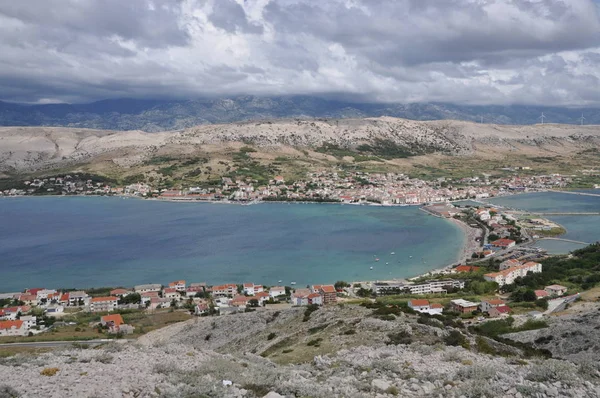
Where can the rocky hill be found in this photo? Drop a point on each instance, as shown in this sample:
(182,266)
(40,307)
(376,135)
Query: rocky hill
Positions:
(163,115)
(338,351)
(377,139)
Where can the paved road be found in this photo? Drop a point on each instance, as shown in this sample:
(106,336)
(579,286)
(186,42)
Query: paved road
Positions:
(42,344)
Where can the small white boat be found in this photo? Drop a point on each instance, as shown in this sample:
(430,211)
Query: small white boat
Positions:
(386,263)
(370,267)
(392,253)
(279,281)
(376,259)
(409,256)
(292,283)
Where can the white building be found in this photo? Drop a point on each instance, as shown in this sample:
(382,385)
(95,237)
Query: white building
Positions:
(29,321)
(251,289)
(150,287)
(508,276)
(103,304)
(277,291)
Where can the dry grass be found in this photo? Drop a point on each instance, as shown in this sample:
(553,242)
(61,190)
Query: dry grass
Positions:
(6,352)
(49,371)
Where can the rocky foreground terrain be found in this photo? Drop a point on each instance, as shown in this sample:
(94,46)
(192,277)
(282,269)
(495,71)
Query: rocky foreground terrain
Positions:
(340,351)
(25,149)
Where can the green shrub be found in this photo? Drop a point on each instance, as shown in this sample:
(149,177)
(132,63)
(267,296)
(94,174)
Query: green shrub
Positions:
(402,337)
(271,336)
(456,338)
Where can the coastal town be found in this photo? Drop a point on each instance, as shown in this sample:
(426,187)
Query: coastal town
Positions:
(324,186)
(498,254)
(28,313)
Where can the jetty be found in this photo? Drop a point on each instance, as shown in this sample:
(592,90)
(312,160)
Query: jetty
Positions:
(576,193)
(593,213)
(567,240)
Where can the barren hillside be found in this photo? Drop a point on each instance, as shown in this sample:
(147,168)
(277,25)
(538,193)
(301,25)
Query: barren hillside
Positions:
(340,351)
(26,149)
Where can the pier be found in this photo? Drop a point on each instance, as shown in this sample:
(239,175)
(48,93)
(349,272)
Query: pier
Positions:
(596,213)
(576,193)
(566,240)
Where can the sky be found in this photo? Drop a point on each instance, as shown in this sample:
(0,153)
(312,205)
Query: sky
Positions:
(539,52)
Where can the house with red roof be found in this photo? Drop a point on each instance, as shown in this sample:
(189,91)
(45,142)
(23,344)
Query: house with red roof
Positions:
(314,298)
(120,292)
(11,313)
(500,311)
(419,304)
(171,293)
(201,308)
(541,294)
(504,243)
(466,268)
(227,290)
(329,294)
(262,297)
(251,289)
(241,301)
(487,305)
(13,328)
(178,285)
(29,299)
(115,324)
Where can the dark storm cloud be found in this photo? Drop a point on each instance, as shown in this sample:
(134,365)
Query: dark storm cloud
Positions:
(475,51)
(229,15)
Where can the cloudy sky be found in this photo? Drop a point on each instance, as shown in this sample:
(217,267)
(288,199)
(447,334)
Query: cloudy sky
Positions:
(461,51)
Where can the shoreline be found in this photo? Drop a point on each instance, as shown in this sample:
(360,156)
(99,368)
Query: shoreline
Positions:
(469,245)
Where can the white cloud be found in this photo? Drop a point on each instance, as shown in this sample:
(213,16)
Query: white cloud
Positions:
(466,51)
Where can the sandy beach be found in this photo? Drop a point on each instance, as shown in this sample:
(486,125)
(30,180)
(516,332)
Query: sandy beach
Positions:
(471,244)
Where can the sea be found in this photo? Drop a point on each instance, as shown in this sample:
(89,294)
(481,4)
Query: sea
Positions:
(82,242)
(579,228)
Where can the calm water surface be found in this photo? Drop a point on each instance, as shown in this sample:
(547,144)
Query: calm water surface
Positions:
(579,228)
(95,241)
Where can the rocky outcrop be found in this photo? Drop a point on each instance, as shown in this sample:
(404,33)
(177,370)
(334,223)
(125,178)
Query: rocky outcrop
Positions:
(243,358)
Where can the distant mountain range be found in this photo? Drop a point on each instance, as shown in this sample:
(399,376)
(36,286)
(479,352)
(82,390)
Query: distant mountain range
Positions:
(164,115)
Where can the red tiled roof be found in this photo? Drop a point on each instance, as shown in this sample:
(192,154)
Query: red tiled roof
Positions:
(541,293)
(466,268)
(328,289)
(495,302)
(419,302)
(170,290)
(503,309)
(436,305)
(116,319)
(9,324)
(503,242)
(102,299)
(118,291)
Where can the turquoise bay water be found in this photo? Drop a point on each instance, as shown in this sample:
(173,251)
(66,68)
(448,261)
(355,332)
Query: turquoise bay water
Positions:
(579,228)
(96,241)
